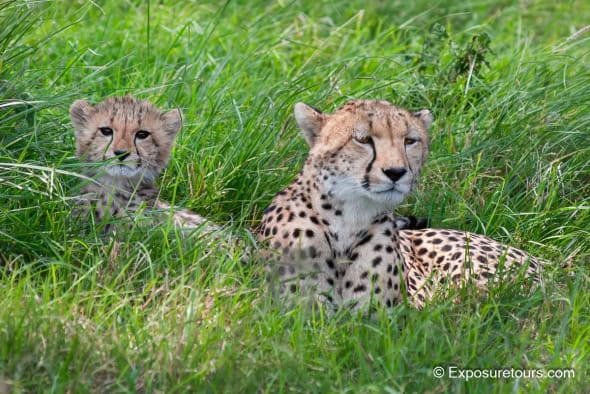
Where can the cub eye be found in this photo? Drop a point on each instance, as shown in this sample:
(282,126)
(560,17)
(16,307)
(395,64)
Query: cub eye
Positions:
(362,139)
(142,134)
(106,131)
(410,141)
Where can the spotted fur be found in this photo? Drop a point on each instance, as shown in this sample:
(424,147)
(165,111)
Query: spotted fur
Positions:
(331,234)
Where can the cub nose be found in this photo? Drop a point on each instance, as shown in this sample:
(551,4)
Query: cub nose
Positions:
(121,154)
(394,173)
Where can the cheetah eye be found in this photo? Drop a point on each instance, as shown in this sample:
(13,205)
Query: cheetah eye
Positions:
(362,139)
(142,134)
(410,141)
(106,131)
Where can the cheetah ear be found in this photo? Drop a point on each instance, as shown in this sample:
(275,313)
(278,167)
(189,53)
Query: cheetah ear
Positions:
(310,120)
(80,112)
(425,116)
(172,122)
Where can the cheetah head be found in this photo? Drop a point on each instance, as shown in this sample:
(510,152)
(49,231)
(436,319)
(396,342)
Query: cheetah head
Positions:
(368,151)
(132,137)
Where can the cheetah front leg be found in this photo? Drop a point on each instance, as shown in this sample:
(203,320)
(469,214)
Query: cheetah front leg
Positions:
(303,269)
(375,270)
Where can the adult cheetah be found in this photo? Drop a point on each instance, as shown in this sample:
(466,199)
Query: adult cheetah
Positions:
(331,233)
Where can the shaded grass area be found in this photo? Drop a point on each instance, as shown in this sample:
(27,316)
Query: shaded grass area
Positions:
(149,312)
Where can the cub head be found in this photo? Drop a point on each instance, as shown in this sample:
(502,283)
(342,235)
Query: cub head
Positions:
(131,136)
(366,151)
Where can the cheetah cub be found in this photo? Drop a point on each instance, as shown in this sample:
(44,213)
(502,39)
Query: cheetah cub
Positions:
(128,141)
(331,233)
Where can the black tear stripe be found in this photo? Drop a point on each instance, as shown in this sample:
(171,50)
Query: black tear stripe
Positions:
(137,150)
(370,165)
(104,153)
(408,160)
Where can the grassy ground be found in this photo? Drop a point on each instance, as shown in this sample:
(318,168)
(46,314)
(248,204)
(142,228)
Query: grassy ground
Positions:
(151,313)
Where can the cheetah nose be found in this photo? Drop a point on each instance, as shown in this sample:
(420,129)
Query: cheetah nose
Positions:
(121,154)
(394,173)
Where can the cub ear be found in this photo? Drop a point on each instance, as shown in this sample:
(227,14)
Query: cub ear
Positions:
(425,116)
(310,120)
(80,112)
(172,122)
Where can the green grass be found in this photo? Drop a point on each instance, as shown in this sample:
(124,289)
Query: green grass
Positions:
(152,313)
